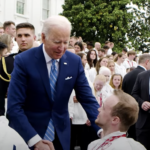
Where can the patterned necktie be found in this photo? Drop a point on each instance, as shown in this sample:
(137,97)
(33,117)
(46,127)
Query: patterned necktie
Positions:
(49,135)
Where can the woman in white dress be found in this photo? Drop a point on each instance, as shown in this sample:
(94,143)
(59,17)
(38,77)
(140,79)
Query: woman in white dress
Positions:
(91,60)
(107,90)
(95,71)
(119,68)
(111,66)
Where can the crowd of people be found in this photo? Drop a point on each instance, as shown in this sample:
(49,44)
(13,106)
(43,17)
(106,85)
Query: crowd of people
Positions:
(64,92)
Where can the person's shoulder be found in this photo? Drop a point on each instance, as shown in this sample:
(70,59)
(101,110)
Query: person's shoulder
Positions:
(127,144)
(144,73)
(28,54)
(93,144)
(11,56)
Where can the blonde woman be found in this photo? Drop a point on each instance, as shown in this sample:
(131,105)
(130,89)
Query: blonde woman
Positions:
(7,40)
(116,81)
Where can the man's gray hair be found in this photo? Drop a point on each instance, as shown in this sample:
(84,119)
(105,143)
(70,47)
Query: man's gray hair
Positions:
(53,21)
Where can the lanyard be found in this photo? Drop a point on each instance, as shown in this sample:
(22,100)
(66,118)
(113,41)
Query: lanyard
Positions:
(131,65)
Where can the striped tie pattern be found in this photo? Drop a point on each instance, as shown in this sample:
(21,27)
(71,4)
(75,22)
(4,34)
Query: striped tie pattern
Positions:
(49,135)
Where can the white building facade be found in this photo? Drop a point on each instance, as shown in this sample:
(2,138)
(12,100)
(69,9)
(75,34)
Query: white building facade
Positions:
(32,11)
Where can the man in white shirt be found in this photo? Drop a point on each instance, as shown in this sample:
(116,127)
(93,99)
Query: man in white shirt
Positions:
(97,47)
(9,28)
(128,63)
(110,45)
(117,114)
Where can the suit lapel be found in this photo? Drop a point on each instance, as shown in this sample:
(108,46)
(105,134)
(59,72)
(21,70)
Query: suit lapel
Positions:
(63,69)
(42,68)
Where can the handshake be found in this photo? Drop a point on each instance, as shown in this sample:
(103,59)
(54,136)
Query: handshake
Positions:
(44,145)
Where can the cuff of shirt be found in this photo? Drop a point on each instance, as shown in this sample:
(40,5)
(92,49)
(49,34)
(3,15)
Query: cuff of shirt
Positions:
(34,140)
(99,133)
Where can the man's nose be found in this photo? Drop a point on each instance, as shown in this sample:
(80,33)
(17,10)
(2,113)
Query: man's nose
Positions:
(23,38)
(62,46)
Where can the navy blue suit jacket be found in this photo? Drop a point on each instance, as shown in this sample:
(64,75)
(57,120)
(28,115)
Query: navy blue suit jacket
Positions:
(30,106)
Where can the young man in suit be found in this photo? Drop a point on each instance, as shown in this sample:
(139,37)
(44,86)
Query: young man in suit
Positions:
(129,81)
(25,36)
(42,81)
(141,92)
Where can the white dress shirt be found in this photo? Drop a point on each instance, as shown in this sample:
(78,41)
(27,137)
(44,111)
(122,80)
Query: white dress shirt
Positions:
(129,63)
(109,52)
(76,111)
(92,74)
(15,48)
(48,62)
(120,69)
(121,143)
(107,91)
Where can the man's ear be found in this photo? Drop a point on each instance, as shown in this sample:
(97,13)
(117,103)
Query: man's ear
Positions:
(43,37)
(115,120)
(34,37)
(147,61)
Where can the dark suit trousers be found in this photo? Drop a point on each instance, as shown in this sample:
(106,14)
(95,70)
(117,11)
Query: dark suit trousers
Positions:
(143,136)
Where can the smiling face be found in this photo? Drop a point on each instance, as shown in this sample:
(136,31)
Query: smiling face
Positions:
(111,66)
(104,62)
(98,85)
(56,42)
(116,81)
(104,118)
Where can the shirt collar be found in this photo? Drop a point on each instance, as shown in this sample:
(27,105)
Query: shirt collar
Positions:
(47,57)
(142,67)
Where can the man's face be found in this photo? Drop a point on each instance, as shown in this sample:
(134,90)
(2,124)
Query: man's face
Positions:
(25,38)
(11,30)
(97,46)
(56,42)
(72,41)
(100,54)
(104,118)
(1,32)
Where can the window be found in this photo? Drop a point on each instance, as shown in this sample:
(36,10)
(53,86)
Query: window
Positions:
(20,6)
(45,10)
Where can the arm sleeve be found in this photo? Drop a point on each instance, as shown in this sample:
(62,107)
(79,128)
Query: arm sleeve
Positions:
(136,92)
(16,100)
(85,96)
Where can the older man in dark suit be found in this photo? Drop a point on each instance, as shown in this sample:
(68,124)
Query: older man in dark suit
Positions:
(42,81)
(141,92)
(129,81)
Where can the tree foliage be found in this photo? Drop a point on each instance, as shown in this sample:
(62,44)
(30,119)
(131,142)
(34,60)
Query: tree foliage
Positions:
(139,32)
(101,20)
